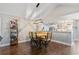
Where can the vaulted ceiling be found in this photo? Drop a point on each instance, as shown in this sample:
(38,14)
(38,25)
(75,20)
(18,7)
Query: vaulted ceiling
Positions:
(44,10)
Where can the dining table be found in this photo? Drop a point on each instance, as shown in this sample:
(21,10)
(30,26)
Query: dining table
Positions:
(39,39)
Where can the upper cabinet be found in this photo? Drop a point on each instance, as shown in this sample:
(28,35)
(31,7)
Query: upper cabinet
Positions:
(62,26)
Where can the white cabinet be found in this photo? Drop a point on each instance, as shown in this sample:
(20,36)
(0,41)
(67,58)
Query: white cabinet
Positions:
(62,37)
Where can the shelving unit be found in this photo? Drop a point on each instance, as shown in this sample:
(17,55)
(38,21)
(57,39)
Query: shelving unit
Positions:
(13,32)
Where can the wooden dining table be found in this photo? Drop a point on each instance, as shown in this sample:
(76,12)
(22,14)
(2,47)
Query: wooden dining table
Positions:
(42,34)
(39,38)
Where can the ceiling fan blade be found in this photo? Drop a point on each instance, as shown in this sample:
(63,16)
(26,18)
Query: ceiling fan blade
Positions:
(37,4)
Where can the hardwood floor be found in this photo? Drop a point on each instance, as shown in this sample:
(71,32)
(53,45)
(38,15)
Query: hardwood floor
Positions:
(53,49)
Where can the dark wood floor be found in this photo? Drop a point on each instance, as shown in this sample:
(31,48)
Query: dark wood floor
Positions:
(53,49)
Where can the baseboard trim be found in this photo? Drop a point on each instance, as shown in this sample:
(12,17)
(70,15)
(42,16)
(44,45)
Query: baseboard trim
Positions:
(23,41)
(8,44)
(61,42)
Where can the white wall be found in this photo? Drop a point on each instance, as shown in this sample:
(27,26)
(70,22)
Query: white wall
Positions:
(23,28)
(0,29)
(0,25)
(16,9)
(5,29)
